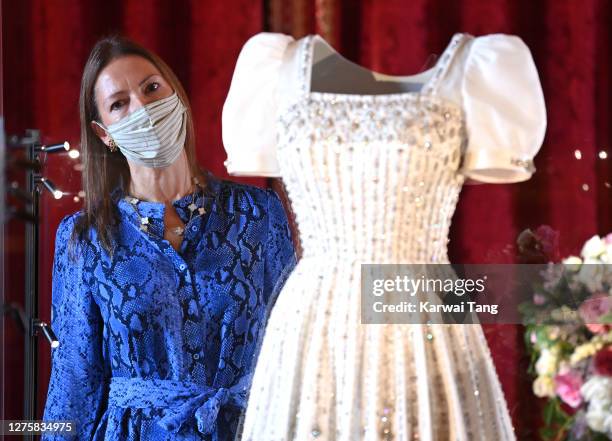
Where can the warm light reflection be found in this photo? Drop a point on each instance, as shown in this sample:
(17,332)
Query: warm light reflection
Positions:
(74,154)
(578,154)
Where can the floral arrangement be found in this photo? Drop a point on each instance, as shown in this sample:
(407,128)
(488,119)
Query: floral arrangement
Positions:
(571,345)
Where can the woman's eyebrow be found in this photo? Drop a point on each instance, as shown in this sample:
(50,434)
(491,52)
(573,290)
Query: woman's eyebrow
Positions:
(118,92)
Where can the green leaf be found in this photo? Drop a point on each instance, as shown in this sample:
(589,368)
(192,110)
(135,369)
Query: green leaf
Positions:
(549,412)
(547,433)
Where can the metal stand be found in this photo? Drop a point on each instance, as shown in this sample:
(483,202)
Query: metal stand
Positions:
(28,318)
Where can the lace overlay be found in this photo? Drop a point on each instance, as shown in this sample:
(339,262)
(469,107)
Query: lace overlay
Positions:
(372,179)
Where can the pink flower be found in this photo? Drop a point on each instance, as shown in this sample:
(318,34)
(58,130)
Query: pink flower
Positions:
(593,308)
(608,239)
(598,328)
(602,362)
(567,386)
(539,299)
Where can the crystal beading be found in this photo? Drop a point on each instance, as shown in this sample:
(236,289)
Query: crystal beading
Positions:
(371,179)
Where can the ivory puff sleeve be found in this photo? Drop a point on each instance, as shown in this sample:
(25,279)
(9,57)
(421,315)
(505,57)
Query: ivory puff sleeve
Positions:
(504,110)
(249,112)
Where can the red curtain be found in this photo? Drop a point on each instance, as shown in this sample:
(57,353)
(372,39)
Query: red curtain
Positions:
(46,46)
(47,42)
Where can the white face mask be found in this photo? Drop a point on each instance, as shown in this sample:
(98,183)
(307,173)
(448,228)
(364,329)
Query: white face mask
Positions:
(153,135)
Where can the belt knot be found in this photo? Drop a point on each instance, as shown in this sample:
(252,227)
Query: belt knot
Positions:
(180,400)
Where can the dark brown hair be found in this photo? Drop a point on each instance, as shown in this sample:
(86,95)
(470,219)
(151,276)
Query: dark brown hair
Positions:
(104,170)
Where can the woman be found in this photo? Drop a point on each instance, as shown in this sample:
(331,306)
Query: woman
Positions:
(163,281)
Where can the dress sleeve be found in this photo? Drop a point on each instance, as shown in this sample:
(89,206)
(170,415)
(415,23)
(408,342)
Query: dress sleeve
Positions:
(280,252)
(249,112)
(504,110)
(77,383)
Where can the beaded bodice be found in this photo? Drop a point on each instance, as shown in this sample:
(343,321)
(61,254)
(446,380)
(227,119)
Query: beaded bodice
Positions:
(372,177)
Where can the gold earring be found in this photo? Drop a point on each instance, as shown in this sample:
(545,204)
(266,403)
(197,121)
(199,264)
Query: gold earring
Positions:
(112,145)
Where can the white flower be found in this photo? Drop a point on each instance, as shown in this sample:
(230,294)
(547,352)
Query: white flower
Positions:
(548,361)
(596,419)
(572,263)
(597,391)
(608,424)
(592,274)
(544,386)
(606,257)
(593,247)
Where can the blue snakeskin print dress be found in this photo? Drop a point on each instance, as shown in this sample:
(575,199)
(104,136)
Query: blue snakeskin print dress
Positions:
(159,344)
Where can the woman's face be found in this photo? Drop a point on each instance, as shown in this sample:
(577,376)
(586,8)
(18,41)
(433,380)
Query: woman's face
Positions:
(126,84)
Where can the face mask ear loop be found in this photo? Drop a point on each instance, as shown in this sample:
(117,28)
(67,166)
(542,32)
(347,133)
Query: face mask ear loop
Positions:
(101,126)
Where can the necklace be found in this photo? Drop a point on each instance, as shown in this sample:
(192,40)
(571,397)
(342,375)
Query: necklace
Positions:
(179,231)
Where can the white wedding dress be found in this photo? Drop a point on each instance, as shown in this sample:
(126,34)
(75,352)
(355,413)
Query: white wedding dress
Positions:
(374,178)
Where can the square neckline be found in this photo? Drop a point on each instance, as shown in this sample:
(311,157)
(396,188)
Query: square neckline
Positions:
(426,89)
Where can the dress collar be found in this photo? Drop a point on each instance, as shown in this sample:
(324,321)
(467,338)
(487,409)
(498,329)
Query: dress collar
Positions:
(155,210)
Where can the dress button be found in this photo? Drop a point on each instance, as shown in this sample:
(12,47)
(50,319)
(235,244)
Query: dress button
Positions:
(182,266)
(193,228)
(196,356)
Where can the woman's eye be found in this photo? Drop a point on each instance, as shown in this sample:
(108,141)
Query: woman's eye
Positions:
(115,105)
(152,89)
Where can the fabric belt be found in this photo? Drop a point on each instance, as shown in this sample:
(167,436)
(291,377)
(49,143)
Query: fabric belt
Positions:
(180,400)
